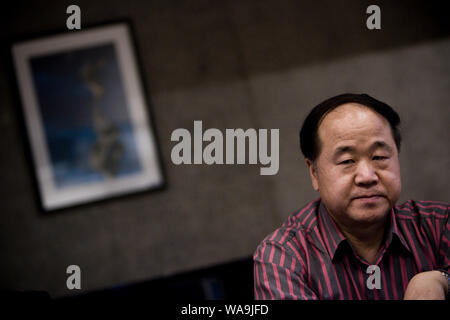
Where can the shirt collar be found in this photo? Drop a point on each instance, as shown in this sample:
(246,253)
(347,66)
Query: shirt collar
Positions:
(329,231)
(394,230)
(334,237)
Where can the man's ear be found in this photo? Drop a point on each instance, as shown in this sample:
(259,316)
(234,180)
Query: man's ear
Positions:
(313,173)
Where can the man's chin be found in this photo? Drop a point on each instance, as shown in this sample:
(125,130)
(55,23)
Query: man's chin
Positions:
(369,214)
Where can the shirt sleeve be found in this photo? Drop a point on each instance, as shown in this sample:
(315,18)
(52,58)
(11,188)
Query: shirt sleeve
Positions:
(444,244)
(278,274)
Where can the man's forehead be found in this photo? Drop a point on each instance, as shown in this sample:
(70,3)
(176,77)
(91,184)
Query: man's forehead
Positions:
(351,118)
(371,145)
(355,111)
(351,125)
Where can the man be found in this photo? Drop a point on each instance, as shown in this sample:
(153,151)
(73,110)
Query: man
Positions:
(354,242)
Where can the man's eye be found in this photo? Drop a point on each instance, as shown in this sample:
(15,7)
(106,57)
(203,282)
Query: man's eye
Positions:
(379,158)
(348,161)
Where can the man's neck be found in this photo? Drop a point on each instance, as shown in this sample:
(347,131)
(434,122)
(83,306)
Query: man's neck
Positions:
(366,241)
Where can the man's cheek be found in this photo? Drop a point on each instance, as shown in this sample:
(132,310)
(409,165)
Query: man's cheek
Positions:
(392,184)
(339,197)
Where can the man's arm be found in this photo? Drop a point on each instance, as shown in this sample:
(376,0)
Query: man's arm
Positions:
(429,285)
(433,285)
(277,274)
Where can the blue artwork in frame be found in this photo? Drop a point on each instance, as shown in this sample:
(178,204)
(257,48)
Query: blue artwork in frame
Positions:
(86,116)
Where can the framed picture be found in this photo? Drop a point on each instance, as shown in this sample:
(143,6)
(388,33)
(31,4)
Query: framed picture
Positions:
(86,115)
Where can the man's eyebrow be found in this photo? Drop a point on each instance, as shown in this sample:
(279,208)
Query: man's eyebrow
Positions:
(350,149)
(382,145)
(343,149)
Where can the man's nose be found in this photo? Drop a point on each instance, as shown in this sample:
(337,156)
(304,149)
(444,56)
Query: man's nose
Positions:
(365,174)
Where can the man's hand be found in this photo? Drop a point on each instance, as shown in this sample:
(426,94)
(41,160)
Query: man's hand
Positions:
(429,285)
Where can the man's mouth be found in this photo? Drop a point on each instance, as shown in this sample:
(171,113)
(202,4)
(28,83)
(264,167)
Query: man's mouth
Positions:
(369,198)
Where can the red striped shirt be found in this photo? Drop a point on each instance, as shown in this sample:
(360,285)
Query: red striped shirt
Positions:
(309,258)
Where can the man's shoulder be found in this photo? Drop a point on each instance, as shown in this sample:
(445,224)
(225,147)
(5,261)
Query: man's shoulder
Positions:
(422,209)
(297,224)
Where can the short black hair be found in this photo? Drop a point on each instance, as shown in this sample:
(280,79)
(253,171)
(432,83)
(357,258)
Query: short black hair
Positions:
(309,137)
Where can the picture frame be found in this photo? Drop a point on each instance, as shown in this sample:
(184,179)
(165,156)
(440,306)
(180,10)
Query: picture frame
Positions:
(86,115)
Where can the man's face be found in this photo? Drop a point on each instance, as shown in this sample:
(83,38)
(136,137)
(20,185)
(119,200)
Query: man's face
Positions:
(357,171)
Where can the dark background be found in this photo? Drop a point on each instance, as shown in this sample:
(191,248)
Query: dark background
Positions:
(231,64)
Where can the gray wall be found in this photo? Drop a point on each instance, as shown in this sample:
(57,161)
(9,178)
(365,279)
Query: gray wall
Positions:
(248,64)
